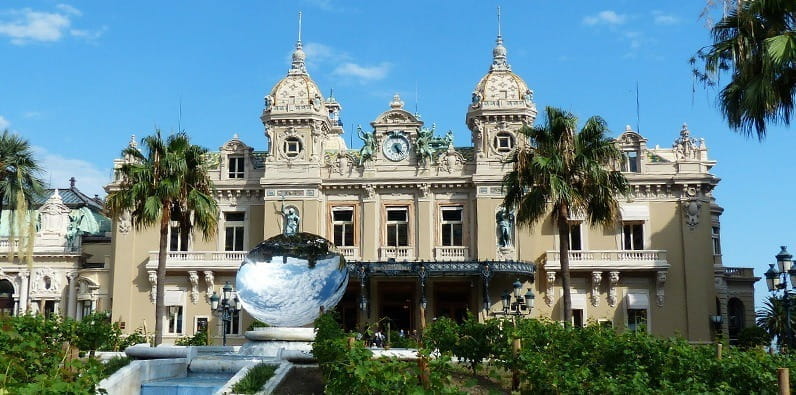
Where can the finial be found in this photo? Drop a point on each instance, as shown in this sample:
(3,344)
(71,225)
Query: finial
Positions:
(628,128)
(299,31)
(133,143)
(498,15)
(397,102)
(72,182)
(235,136)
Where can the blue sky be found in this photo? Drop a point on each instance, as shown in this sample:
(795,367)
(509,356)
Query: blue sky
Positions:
(78,78)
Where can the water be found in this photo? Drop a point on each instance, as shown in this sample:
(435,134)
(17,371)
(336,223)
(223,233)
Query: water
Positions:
(193,384)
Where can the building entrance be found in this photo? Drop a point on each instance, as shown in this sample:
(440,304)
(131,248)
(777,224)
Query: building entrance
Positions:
(6,298)
(452,299)
(397,305)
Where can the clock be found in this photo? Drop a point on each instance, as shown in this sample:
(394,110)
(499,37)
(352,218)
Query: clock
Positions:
(395,147)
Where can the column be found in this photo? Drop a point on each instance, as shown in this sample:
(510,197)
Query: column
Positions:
(23,292)
(371,240)
(71,306)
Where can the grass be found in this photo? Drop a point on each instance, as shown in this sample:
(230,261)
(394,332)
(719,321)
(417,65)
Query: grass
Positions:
(115,364)
(254,379)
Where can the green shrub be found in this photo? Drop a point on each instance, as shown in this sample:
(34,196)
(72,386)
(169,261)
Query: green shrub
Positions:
(257,324)
(115,364)
(753,337)
(255,379)
(198,339)
(137,337)
(96,332)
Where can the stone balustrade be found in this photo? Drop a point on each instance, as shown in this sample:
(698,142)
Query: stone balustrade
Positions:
(739,272)
(350,253)
(199,260)
(609,259)
(397,253)
(450,253)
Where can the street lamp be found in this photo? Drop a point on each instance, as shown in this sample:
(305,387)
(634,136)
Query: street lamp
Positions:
(522,304)
(777,280)
(225,307)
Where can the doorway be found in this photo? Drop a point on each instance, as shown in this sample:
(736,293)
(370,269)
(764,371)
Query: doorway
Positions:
(348,308)
(397,305)
(452,299)
(6,298)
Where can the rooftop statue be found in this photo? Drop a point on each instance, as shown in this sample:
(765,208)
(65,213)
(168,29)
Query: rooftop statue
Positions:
(369,146)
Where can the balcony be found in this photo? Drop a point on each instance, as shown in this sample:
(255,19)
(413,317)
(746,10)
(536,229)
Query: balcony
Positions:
(350,253)
(740,274)
(609,260)
(198,260)
(397,253)
(451,253)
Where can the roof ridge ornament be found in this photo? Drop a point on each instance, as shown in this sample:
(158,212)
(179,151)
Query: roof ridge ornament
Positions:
(499,59)
(297,66)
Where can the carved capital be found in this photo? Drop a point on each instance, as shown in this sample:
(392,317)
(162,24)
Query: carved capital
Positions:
(660,282)
(613,279)
(193,278)
(596,278)
(153,283)
(551,280)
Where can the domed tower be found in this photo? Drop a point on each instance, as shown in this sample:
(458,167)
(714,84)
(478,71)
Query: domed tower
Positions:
(501,105)
(298,121)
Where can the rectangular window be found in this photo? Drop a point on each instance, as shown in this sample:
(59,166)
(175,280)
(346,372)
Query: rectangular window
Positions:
(343,226)
(452,226)
(633,235)
(636,318)
(234,231)
(577,318)
(714,233)
(236,167)
(397,226)
(174,238)
(175,319)
(85,308)
(233,327)
(292,146)
(200,324)
(575,237)
(631,162)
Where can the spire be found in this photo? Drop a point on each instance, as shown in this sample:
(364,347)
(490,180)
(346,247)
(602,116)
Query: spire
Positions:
(499,61)
(297,66)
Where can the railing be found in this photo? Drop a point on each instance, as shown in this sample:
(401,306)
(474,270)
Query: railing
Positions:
(739,272)
(398,253)
(199,260)
(350,253)
(503,103)
(40,246)
(607,259)
(451,253)
(5,243)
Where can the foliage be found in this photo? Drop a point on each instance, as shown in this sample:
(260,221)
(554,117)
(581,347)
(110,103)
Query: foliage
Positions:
(752,337)
(137,337)
(478,341)
(257,324)
(255,379)
(562,173)
(405,341)
(19,183)
(756,46)
(97,332)
(198,339)
(351,369)
(37,356)
(442,335)
(115,364)
(164,182)
(772,317)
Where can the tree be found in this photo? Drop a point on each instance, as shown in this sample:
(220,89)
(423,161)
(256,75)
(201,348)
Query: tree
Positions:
(755,44)
(165,182)
(773,317)
(562,173)
(19,182)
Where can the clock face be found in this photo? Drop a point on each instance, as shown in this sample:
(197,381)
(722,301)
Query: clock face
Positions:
(395,148)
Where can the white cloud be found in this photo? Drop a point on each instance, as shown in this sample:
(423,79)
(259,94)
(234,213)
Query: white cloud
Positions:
(59,169)
(370,73)
(4,124)
(24,26)
(606,17)
(635,39)
(661,18)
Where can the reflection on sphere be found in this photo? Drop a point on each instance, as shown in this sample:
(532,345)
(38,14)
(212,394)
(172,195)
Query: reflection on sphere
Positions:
(285,280)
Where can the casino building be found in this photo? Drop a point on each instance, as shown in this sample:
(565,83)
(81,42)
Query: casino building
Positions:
(421,225)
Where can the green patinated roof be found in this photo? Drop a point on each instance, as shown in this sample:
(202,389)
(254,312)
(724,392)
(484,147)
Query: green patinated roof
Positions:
(93,222)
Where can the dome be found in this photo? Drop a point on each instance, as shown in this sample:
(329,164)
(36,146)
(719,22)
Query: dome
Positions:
(297,91)
(500,87)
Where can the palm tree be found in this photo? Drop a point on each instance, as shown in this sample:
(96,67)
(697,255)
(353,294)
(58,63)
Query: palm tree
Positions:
(19,183)
(562,173)
(756,45)
(165,182)
(773,318)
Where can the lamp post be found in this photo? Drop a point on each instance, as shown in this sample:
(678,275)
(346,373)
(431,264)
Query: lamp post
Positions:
(777,281)
(521,304)
(226,309)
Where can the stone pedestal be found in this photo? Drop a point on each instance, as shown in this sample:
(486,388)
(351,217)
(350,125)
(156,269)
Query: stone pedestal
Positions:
(268,342)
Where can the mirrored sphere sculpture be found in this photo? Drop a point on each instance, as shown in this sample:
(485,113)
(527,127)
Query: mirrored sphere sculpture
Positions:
(285,280)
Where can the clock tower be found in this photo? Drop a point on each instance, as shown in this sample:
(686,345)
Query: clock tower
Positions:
(396,131)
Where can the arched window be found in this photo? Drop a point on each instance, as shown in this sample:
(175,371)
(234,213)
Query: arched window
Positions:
(6,298)
(735,311)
